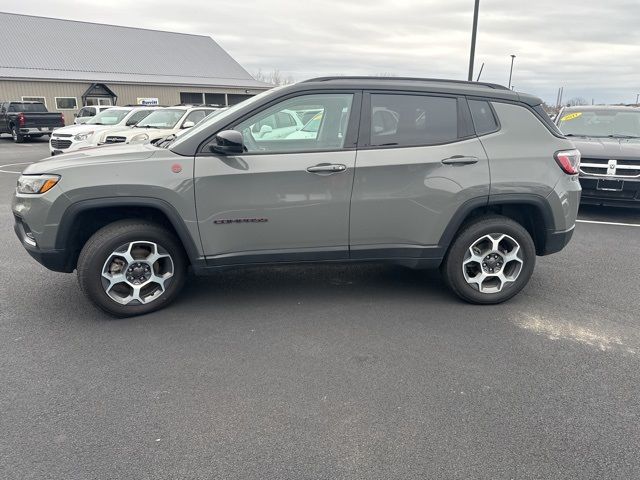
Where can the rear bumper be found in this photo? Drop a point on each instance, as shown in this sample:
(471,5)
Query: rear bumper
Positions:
(556,240)
(36,131)
(628,196)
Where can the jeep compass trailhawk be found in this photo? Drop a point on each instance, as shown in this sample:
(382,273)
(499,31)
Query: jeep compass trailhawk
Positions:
(469,177)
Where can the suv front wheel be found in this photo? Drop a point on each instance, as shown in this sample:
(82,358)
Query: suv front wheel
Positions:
(490,260)
(131,267)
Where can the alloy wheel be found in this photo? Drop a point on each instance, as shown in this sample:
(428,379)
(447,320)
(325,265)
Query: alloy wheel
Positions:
(137,273)
(492,262)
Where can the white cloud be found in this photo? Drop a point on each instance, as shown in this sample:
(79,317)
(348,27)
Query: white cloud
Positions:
(592,49)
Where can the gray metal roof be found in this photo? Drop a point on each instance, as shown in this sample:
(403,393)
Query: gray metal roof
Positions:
(56,49)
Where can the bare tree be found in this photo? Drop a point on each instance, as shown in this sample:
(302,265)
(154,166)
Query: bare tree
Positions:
(577,101)
(275,77)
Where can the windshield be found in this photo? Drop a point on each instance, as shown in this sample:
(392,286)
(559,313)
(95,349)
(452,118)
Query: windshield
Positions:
(204,124)
(27,107)
(113,116)
(600,123)
(165,118)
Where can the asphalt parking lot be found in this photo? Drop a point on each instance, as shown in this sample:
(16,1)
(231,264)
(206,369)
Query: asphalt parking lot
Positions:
(326,372)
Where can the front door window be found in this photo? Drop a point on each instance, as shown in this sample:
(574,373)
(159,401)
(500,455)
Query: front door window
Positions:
(305,123)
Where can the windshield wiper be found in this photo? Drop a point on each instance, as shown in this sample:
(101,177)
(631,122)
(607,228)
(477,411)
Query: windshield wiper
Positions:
(584,135)
(166,141)
(622,136)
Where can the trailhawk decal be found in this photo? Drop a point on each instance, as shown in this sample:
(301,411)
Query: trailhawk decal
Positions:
(226,221)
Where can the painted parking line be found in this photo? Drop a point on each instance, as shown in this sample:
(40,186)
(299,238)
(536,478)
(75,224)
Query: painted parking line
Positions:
(12,165)
(610,223)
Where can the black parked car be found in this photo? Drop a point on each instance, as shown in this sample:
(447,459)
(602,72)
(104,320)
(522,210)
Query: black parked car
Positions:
(609,139)
(28,120)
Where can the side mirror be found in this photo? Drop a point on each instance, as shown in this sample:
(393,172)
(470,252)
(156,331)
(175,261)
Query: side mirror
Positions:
(75,115)
(228,142)
(188,124)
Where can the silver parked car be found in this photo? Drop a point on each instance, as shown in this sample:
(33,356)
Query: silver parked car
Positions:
(472,178)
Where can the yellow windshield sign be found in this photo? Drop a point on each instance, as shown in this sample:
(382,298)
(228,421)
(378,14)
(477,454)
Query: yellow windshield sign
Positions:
(570,116)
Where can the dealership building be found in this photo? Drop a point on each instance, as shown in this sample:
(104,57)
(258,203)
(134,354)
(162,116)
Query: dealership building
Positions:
(68,64)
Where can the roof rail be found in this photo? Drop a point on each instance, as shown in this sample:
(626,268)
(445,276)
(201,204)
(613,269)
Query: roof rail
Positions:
(415,79)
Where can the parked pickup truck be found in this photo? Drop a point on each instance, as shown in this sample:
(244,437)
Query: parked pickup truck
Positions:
(28,120)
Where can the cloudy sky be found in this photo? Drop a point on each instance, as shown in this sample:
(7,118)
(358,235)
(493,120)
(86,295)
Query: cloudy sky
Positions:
(592,48)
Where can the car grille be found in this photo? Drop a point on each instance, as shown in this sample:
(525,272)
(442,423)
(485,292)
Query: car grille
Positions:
(60,144)
(620,168)
(115,140)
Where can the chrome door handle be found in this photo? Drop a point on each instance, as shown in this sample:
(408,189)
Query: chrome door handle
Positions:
(327,168)
(460,160)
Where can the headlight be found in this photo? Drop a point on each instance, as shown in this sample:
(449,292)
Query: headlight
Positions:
(141,137)
(82,136)
(35,184)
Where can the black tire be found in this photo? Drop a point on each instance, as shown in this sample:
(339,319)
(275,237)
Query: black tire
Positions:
(100,246)
(17,137)
(452,267)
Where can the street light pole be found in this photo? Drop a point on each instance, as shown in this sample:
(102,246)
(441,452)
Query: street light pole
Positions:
(511,71)
(473,40)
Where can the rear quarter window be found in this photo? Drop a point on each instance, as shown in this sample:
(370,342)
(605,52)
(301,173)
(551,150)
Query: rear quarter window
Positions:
(484,120)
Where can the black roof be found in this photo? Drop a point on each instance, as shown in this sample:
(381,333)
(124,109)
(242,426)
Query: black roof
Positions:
(435,85)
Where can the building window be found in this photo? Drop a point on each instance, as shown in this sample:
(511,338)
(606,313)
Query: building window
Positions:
(35,99)
(191,98)
(237,98)
(66,103)
(215,99)
(98,101)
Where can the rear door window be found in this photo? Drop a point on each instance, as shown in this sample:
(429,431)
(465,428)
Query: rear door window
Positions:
(484,120)
(413,120)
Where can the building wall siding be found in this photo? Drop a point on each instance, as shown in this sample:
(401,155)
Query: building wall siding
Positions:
(127,93)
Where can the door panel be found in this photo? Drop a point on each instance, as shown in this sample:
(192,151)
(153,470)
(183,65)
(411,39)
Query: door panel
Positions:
(272,204)
(404,198)
(288,197)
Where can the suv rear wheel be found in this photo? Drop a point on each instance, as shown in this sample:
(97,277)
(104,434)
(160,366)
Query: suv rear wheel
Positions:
(131,267)
(490,260)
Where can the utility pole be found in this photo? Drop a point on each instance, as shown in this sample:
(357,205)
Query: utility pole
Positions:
(511,70)
(561,95)
(472,54)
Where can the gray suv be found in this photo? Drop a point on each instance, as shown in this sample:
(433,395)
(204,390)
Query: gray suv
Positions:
(469,177)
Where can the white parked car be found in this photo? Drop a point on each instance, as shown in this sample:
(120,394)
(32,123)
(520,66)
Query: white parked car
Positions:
(159,124)
(87,113)
(312,127)
(92,133)
(279,125)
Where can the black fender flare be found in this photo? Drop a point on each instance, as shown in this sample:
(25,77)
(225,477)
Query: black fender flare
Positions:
(538,201)
(72,212)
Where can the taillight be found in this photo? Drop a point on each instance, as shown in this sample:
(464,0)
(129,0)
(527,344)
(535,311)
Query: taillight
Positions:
(62,117)
(21,119)
(569,161)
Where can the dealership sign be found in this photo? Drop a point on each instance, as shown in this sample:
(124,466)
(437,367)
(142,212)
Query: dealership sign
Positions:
(148,101)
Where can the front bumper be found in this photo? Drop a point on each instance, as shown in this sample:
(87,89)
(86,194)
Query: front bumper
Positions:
(627,195)
(56,260)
